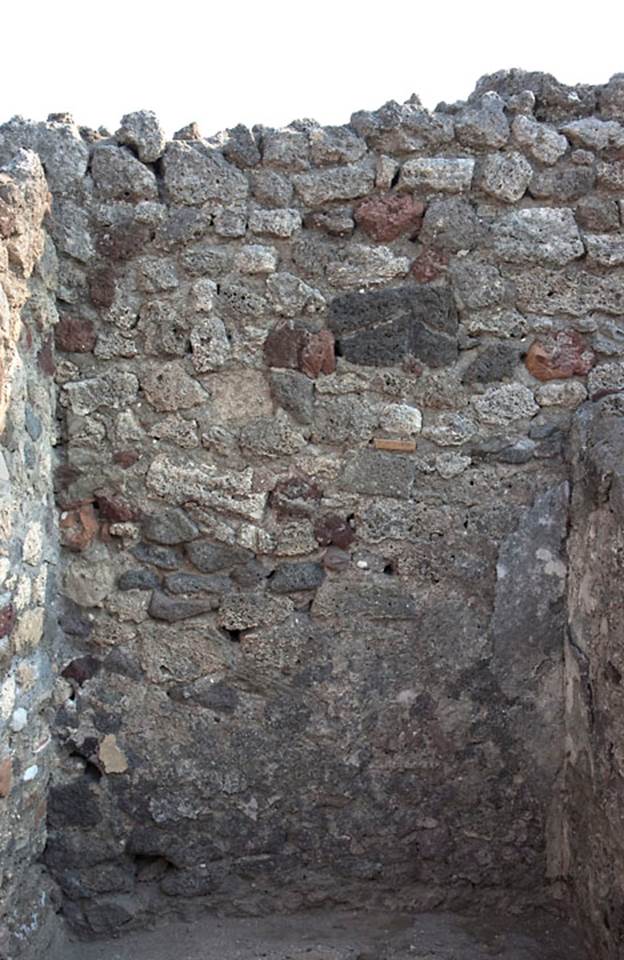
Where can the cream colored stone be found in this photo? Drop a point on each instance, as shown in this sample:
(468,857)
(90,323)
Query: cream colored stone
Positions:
(111,757)
(28,630)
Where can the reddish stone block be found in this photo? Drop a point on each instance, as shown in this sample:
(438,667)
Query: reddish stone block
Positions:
(283,346)
(102,287)
(7,619)
(332,529)
(385,218)
(78,527)
(115,509)
(75,335)
(126,458)
(429,264)
(559,355)
(123,241)
(317,354)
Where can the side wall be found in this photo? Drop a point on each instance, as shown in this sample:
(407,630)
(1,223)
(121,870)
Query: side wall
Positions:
(28,556)
(594,677)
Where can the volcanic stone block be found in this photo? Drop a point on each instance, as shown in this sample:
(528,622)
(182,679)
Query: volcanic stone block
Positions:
(173,609)
(171,526)
(291,577)
(495,362)
(385,326)
(210,557)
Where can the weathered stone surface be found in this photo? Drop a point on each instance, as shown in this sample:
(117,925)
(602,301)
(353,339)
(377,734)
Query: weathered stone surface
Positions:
(241,148)
(295,393)
(142,132)
(75,335)
(340,183)
(500,405)
(477,284)
(386,218)
(293,577)
(384,327)
(560,355)
(604,379)
(192,583)
(539,235)
(138,580)
(169,387)
(451,225)
(569,394)
(359,265)
(118,175)
(605,249)
(429,265)
(494,362)
(287,149)
(372,472)
(212,557)
(540,141)
(194,174)
(171,609)
(170,526)
(594,133)
(330,145)
(444,174)
(484,126)
(156,556)
(562,183)
(575,292)
(505,176)
(598,213)
(246,610)
(371,601)
(275,223)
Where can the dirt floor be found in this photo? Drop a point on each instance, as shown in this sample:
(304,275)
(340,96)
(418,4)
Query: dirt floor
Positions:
(341,935)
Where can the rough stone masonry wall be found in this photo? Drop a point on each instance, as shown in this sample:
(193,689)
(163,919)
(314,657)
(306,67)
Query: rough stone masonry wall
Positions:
(315,387)
(594,655)
(28,549)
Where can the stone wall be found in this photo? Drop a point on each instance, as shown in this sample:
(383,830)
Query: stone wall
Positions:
(315,386)
(594,715)
(28,551)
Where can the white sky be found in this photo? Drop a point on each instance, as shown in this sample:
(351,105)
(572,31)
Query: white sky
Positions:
(222,62)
